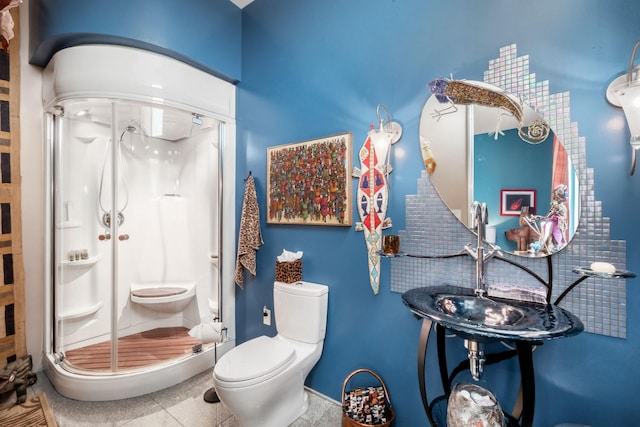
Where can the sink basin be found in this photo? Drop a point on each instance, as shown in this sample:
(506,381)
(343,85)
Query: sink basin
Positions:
(459,309)
(479,310)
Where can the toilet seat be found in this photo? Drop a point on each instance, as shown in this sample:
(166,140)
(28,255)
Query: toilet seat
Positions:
(254,361)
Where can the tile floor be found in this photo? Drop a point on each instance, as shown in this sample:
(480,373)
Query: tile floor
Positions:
(180,405)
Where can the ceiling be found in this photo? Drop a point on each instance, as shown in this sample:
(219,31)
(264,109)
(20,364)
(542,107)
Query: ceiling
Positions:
(241,3)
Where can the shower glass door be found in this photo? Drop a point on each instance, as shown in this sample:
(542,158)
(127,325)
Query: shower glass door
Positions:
(135,215)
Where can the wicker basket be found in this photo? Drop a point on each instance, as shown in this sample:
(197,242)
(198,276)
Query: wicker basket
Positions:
(289,272)
(384,402)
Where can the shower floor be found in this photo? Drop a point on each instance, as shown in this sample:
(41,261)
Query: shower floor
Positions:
(134,351)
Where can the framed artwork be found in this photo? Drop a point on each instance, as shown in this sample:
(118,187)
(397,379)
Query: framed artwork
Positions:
(309,183)
(512,201)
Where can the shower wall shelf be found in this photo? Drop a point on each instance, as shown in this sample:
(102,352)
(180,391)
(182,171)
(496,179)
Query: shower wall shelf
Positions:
(90,262)
(69,224)
(84,312)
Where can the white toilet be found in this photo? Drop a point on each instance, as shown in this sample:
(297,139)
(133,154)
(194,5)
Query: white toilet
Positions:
(262,380)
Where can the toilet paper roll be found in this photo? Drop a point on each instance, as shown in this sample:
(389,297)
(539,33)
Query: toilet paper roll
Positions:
(208,331)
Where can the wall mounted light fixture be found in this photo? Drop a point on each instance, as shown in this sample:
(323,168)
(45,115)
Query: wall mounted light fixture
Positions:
(383,137)
(624,91)
(373,188)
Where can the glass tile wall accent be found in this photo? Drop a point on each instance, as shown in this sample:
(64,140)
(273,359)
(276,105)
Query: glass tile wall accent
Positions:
(433,230)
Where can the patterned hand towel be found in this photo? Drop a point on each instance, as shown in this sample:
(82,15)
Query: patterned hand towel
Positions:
(250,236)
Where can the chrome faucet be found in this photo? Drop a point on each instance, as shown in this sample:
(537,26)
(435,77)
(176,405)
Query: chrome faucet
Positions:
(475,349)
(480,221)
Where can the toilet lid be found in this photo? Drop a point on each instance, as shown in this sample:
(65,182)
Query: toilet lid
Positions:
(254,359)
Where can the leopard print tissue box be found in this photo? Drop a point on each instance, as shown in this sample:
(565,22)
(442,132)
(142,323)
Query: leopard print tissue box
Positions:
(289,271)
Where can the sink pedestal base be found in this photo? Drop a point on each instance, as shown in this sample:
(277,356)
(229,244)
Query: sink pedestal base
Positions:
(525,403)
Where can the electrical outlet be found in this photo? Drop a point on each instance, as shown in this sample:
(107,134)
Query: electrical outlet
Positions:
(266,316)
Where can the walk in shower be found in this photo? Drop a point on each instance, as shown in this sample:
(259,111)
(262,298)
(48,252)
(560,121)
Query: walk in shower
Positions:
(136,207)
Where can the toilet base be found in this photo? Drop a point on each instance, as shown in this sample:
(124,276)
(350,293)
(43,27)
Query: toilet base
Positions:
(278,411)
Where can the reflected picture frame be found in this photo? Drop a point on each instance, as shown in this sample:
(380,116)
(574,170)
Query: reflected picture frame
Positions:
(309,182)
(512,201)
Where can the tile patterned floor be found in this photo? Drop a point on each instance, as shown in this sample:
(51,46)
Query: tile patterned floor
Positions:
(180,405)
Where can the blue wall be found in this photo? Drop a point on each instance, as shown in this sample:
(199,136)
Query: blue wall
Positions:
(317,68)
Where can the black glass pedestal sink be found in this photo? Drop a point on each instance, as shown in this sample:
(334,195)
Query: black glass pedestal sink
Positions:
(459,309)
(483,319)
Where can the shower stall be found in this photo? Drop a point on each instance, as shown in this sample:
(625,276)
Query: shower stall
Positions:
(140,174)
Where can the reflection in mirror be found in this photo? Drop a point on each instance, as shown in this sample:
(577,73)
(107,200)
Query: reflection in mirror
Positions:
(480,143)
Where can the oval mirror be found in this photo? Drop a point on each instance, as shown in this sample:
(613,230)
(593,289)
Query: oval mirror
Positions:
(480,143)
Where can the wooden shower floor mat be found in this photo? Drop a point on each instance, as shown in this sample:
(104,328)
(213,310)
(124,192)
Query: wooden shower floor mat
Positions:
(135,351)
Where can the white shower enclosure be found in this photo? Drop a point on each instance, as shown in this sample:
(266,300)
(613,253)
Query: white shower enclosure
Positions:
(140,172)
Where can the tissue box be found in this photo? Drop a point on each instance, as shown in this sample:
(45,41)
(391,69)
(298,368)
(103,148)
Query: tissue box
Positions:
(289,272)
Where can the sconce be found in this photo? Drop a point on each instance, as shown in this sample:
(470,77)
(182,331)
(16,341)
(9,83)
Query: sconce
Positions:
(624,91)
(373,188)
(382,138)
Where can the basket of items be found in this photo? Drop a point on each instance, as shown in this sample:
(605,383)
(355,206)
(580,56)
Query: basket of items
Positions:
(366,406)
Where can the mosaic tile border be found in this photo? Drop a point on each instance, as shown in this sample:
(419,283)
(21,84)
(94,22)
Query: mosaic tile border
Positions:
(433,230)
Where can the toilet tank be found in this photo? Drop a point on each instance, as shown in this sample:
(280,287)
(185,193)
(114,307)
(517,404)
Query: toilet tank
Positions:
(300,310)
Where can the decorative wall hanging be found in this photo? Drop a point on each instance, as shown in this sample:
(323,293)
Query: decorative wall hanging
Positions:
(373,189)
(308,182)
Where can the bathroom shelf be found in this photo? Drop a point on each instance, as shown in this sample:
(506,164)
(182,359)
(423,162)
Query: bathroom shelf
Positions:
(69,224)
(618,274)
(77,314)
(403,254)
(585,273)
(82,262)
(396,255)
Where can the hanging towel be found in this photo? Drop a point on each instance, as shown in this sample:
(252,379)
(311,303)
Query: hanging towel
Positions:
(250,236)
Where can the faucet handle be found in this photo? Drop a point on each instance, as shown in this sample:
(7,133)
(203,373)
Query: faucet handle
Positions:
(475,213)
(495,249)
(484,213)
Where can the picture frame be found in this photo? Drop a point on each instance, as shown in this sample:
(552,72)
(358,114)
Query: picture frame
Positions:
(309,182)
(512,201)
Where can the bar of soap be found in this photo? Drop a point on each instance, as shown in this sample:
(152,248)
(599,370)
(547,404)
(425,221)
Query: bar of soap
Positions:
(603,267)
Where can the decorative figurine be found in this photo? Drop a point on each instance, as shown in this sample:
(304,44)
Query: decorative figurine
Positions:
(553,227)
